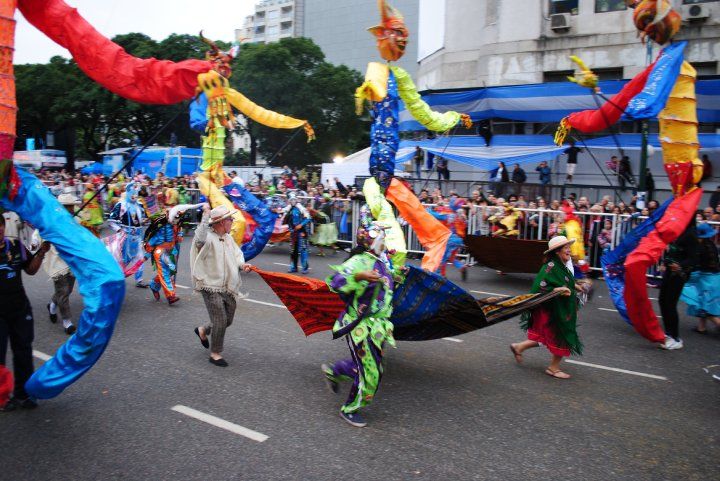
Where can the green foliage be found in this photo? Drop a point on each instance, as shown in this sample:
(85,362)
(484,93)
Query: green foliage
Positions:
(292,77)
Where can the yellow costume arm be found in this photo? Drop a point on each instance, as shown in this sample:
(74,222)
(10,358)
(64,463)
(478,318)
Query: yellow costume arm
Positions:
(383,213)
(374,88)
(421,111)
(264,116)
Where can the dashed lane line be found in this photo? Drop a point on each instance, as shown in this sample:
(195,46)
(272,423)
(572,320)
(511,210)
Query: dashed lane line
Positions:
(265,303)
(41,355)
(220,423)
(615,369)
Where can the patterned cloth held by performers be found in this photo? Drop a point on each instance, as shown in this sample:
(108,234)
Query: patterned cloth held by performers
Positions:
(553,323)
(162,244)
(366,324)
(453,219)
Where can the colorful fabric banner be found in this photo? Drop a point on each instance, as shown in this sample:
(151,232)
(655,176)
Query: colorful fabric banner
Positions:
(648,253)
(613,262)
(114,244)
(648,103)
(263,217)
(100,283)
(148,81)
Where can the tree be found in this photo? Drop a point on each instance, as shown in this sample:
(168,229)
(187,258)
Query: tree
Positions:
(292,77)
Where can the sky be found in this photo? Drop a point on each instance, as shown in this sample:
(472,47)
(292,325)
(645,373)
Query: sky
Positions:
(156,18)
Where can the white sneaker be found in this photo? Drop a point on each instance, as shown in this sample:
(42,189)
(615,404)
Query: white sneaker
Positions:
(671,344)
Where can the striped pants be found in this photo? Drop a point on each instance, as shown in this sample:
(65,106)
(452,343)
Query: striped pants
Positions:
(61,297)
(221,307)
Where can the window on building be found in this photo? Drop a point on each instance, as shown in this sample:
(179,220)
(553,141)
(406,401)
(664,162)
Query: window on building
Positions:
(557,76)
(272,30)
(564,6)
(612,73)
(706,69)
(602,6)
(286,11)
(259,30)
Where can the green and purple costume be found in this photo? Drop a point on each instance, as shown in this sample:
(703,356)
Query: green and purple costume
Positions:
(365,323)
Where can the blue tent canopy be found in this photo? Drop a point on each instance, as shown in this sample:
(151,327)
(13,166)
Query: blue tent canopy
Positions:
(521,149)
(174,161)
(549,102)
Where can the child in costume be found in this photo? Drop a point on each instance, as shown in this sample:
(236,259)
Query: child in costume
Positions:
(365,282)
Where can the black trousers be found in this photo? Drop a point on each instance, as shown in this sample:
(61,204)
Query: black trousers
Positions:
(16,325)
(672,285)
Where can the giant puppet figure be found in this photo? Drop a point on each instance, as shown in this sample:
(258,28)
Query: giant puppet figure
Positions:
(385,84)
(100,280)
(664,90)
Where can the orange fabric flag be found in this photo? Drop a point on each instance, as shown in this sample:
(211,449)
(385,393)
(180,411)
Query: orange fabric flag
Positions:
(431,233)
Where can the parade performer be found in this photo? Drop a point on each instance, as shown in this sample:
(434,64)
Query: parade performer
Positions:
(216,261)
(506,223)
(297,219)
(63,279)
(128,217)
(365,282)
(553,324)
(453,218)
(162,244)
(680,258)
(92,215)
(326,232)
(702,291)
(16,318)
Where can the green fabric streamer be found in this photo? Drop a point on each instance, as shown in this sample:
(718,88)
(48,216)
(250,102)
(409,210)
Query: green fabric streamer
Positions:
(420,110)
(563,309)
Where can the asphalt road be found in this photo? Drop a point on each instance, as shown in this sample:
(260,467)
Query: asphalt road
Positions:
(447,409)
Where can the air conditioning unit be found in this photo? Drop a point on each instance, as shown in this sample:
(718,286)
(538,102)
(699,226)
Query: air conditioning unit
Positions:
(696,12)
(560,22)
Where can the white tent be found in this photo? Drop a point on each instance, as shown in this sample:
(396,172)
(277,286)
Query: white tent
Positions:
(352,166)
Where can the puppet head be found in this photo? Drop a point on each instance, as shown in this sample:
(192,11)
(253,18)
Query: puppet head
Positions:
(656,19)
(392,34)
(220,60)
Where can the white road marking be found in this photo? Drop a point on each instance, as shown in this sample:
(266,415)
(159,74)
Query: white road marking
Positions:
(452,339)
(615,310)
(265,303)
(220,423)
(614,369)
(490,293)
(41,355)
(182,287)
(281,264)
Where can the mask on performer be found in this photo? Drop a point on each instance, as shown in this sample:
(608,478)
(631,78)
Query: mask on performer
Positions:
(392,33)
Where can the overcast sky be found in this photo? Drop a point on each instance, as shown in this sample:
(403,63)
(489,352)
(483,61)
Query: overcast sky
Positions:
(156,18)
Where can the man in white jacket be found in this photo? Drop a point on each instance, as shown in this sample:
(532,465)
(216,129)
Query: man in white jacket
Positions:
(63,279)
(215,263)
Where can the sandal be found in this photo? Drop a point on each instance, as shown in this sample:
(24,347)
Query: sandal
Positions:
(518,356)
(699,331)
(557,374)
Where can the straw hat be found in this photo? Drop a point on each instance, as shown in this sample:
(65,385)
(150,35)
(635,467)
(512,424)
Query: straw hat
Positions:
(68,199)
(219,213)
(558,242)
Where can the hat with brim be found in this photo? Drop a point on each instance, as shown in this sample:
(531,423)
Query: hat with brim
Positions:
(558,242)
(68,199)
(705,231)
(220,213)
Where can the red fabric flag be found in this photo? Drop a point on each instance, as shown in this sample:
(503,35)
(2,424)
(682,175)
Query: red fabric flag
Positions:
(589,121)
(648,253)
(309,300)
(149,81)
(6,385)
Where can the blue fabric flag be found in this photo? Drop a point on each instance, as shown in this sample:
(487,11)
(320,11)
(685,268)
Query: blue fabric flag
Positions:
(613,262)
(100,282)
(260,212)
(198,113)
(648,103)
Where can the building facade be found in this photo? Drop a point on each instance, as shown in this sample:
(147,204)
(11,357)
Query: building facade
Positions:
(272,21)
(492,42)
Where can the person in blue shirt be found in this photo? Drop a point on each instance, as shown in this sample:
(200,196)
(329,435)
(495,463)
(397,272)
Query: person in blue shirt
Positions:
(297,219)
(545,172)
